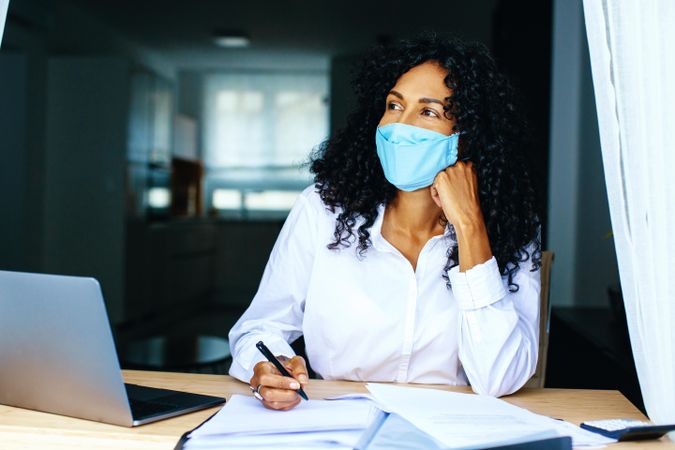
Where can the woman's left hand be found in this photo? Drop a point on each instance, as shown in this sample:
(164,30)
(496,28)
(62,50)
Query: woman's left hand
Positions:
(455,190)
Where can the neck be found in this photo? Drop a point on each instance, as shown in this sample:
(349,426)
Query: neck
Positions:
(414,212)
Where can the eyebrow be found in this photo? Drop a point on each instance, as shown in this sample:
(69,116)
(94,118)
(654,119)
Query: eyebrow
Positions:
(421,100)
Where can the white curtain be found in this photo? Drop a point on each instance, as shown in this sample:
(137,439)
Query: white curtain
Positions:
(632,49)
(4,4)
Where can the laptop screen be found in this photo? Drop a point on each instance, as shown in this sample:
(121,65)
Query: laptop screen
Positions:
(3,14)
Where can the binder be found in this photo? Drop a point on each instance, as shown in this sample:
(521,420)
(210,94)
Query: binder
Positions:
(186,436)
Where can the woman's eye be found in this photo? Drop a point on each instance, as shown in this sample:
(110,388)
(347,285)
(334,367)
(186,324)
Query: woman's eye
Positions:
(429,112)
(394,106)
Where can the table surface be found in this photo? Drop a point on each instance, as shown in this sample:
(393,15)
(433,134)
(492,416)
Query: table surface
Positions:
(32,430)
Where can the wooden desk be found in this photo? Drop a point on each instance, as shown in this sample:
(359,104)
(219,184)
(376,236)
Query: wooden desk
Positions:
(31,430)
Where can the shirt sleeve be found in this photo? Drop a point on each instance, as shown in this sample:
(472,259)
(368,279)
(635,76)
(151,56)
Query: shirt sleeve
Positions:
(276,312)
(499,329)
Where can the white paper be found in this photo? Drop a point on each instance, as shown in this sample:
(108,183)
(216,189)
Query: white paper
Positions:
(580,437)
(352,396)
(316,439)
(465,420)
(245,423)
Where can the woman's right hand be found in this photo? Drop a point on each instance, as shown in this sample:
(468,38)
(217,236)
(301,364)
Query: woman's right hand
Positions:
(280,392)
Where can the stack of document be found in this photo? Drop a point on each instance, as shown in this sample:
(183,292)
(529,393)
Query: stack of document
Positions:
(389,417)
(469,421)
(244,423)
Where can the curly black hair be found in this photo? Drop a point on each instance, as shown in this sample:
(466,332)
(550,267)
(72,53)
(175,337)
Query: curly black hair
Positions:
(349,176)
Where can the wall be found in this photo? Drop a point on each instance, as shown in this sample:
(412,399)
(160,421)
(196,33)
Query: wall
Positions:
(189,100)
(585,262)
(243,249)
(342,95)
(23,142)
(31,240)
(13,68)
(85,172)
(596,266)
(74,31)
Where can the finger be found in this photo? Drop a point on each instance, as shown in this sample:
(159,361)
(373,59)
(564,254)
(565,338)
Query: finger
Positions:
(281,406)
(450,172)
(265,367)
(291,405)
(277,381)
(441,184)
(469,166)
(456,169)
(260,369)
(278,395)
(298,369)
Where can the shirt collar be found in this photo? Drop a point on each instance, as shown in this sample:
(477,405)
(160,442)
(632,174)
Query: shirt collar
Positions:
(376,231)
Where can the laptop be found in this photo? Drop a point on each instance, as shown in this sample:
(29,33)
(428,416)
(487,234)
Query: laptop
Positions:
(57,355)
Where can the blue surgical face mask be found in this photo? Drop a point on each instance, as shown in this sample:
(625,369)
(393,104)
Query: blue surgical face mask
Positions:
(412,156)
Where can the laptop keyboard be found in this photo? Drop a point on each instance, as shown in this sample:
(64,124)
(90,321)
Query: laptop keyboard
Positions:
(147,402)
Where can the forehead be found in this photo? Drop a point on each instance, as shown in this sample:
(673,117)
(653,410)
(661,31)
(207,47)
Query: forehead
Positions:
(425,80)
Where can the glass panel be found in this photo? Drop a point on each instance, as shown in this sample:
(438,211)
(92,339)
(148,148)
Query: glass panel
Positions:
(263,119)
(227,199)
(270,200)
(159,197)
(259,130)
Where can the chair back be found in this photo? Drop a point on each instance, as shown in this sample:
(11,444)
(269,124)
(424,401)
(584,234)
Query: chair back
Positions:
(537,380)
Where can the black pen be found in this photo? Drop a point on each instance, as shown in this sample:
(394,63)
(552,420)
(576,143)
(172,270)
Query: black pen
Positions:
(273,359)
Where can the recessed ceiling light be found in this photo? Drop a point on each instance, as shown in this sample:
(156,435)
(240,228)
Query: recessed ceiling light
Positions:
(231,39)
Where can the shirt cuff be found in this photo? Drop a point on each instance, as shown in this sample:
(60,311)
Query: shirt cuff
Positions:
(479,286)
(249,355)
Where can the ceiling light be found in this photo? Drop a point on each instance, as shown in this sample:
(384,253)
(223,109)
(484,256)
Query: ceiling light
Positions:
(229,39)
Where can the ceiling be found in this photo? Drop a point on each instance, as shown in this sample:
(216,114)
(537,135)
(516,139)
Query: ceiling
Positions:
(181,30)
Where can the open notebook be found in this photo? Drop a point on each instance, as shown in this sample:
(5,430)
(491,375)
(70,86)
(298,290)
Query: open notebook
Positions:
(391,417)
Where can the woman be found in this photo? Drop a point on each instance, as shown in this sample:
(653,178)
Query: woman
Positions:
(403,263)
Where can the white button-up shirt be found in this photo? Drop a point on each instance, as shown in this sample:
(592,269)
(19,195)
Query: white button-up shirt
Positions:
(374,318)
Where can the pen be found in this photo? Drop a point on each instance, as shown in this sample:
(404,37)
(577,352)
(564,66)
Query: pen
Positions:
(271,358)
